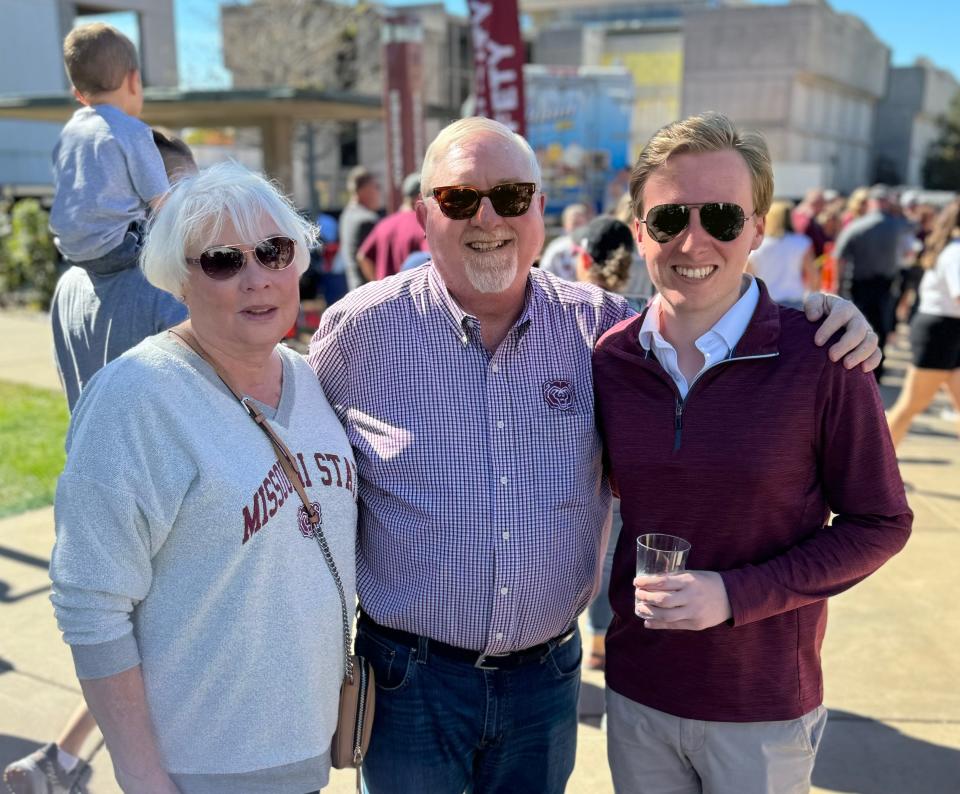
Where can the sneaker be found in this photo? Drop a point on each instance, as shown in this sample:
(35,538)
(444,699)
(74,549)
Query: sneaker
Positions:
(41,773)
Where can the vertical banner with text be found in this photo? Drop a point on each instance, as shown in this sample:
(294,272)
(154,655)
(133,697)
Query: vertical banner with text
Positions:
(498,56)
(402,40)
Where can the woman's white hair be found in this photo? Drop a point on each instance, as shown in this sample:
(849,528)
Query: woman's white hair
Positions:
(461,132)
(193,212)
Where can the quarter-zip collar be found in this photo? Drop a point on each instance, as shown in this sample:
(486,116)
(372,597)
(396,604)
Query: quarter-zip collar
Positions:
(760,339)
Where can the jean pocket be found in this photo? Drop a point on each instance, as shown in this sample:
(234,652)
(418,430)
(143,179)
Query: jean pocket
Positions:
(392,663)
(564,661)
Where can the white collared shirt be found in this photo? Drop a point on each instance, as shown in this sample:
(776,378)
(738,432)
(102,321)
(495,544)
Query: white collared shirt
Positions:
(716,344)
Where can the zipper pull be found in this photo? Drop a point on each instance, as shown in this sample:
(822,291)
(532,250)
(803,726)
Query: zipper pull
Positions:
(677,425)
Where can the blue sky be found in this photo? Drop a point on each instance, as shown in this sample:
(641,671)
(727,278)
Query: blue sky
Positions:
(918,28)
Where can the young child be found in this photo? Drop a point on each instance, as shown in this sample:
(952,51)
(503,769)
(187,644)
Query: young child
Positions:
(107,170)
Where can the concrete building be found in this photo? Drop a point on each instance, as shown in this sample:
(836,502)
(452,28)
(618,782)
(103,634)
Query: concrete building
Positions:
(906,120)
(807,77)
(31,63)
(643,36)
(337,47)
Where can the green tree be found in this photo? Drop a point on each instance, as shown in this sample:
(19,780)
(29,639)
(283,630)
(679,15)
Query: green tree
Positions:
(28,260)
(941,169)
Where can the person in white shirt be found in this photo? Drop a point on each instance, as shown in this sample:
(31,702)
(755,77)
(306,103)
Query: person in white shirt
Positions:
(559,257)
(784,259)
(935,329)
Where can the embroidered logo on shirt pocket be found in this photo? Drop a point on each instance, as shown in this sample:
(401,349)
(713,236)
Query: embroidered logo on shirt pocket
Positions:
(558,394)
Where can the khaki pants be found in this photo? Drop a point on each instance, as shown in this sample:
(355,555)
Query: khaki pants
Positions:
(655,753)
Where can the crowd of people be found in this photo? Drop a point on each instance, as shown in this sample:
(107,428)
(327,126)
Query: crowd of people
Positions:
(448,454)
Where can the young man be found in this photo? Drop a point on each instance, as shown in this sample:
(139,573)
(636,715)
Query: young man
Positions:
(483,502)
(725,425)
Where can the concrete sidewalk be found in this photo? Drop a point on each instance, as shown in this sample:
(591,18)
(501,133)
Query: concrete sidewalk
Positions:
(891,658)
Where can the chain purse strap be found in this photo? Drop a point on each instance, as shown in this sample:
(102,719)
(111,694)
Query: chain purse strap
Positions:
(290,468)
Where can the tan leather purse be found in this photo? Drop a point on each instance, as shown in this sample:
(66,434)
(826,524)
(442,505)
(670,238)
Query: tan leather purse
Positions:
(355,715)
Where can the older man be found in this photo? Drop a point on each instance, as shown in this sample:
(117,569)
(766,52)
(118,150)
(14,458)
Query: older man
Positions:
(466,390)
(725,425)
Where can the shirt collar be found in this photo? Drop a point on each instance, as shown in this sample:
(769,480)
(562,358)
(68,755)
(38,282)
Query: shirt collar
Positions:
(461,321)
(730,328)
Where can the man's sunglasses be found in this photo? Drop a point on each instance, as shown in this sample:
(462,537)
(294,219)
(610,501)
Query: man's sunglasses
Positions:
(459,202)
(224,261)
(724,222)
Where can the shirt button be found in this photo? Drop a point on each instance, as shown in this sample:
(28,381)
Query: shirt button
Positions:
(506,536)
(495,367)
(503,480)
(499,635)
(504,590)
(499,424)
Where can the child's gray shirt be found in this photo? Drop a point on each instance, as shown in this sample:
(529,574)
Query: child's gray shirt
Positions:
(106,170)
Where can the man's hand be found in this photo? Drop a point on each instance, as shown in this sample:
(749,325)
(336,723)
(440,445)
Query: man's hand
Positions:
(692,600)
(858,345)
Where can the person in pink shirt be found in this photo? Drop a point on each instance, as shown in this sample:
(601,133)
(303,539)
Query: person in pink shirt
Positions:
(394,238)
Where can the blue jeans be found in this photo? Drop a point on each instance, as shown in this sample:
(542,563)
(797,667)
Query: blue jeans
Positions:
(445,727)
(600,613)
(122,257)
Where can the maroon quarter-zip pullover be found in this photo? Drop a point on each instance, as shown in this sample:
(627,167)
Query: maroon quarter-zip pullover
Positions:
(747,468)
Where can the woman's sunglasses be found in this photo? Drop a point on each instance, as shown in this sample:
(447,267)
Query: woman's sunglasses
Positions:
(723,222)
(459,202)
(224,261)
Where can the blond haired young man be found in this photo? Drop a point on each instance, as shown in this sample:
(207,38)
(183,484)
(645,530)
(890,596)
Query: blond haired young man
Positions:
(724,424)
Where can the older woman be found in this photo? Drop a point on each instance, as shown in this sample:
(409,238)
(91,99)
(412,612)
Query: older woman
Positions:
(205,627)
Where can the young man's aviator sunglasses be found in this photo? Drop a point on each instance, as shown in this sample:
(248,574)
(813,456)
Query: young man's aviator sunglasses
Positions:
(722,221)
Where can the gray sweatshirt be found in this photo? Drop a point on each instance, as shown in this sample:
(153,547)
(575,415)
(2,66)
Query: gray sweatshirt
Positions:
(179,548)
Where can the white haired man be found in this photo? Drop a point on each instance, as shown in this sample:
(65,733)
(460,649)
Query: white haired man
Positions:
(466,390)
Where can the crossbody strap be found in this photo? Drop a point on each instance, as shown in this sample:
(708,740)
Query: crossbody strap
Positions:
(293,474)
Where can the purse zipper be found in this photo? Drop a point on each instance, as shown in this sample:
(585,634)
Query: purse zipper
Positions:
(361,709)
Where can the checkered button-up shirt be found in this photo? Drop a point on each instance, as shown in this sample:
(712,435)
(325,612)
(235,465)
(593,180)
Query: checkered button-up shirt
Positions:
(482,500)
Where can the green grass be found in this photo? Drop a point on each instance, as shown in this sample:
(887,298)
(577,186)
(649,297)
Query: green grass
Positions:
(33,423)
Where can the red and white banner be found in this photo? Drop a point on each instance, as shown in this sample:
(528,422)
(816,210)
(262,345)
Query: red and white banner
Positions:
(403,102)
(498,56)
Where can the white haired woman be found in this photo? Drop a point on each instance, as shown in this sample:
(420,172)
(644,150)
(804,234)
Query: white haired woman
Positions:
(187,575)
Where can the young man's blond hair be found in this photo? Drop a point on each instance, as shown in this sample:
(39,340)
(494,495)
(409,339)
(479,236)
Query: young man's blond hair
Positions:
(709,132)
(98,58)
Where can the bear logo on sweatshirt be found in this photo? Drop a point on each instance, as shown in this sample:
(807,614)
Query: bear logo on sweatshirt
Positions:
(307,528)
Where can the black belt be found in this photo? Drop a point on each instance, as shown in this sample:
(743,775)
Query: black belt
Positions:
(482,661)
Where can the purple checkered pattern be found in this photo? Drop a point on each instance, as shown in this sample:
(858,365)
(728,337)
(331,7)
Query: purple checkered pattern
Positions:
(482,501)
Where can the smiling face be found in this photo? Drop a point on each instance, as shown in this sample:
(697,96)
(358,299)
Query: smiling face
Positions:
(697,275)
(252,310)
(485,254)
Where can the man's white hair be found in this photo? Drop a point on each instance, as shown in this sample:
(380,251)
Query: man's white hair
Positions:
(193,212)
(461,132)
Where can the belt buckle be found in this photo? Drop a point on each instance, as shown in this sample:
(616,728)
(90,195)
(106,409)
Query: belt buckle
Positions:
(482,658)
